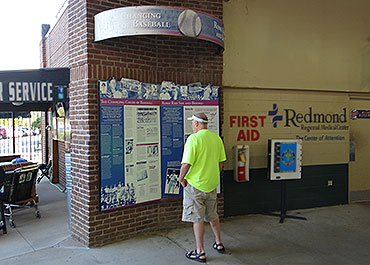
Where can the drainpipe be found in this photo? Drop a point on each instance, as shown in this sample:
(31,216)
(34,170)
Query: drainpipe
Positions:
(49,49)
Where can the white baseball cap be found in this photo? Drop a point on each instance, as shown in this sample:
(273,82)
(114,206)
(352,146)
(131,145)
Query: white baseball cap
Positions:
(197,119)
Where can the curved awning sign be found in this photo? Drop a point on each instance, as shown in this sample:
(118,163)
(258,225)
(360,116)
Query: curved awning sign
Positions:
(158,20)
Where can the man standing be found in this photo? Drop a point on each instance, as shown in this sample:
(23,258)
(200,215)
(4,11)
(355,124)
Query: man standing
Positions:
(202,162)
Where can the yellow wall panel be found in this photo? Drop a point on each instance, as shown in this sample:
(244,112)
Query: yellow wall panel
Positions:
(320,119)
(316,44)
(359,134)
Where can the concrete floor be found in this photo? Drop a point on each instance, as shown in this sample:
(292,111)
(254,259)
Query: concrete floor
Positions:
(331,235)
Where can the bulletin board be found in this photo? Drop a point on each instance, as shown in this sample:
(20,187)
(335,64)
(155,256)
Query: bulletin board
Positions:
(142,131)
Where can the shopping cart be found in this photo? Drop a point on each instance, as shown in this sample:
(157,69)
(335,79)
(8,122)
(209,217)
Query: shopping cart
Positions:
(4,178)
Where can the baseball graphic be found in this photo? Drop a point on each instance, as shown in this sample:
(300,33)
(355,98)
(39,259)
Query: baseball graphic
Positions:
(189,23)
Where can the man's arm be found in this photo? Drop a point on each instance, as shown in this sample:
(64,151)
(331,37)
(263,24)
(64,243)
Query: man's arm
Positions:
(221,165)
(183,171)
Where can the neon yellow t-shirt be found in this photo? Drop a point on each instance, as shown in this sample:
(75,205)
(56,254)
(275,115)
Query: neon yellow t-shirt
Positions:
(203,151)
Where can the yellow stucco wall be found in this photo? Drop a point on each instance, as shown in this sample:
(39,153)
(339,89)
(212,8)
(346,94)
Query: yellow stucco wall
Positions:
(315,44)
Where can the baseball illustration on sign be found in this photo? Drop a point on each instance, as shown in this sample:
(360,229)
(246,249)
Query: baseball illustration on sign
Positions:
(189,23)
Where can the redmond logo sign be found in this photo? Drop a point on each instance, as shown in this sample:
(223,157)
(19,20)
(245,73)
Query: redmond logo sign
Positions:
(294,118)
(316,125)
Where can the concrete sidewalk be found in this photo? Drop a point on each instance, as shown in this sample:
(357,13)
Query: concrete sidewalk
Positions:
(331,235)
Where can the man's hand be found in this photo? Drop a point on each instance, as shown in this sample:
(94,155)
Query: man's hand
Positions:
(184,183)
(183,171)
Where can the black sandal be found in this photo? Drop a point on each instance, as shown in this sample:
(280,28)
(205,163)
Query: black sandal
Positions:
(193,255)
(216,247)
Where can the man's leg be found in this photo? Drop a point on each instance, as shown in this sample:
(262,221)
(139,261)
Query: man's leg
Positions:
(216,230)
(211,213)
(199,235)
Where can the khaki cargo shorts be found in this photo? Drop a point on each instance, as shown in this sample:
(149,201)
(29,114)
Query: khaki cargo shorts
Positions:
(199,206)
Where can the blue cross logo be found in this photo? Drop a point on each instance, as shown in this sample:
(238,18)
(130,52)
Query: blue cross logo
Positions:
(276,117)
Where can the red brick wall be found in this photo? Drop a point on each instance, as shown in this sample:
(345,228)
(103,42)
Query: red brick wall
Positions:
(43,48)
(55,45)
(54,51)
(62,163)
(148,59)
(45,138)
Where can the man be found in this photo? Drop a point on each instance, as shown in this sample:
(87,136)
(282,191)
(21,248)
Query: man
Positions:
(202,162)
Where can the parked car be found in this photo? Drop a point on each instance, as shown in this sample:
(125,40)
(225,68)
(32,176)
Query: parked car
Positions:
(3,133)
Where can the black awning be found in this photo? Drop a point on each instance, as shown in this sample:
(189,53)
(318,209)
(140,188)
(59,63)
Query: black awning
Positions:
(33,90)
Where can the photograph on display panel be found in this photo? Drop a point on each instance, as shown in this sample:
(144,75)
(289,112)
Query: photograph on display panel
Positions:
(172,184)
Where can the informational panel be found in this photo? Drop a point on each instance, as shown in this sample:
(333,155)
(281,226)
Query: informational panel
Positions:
(143,128)
(285,158)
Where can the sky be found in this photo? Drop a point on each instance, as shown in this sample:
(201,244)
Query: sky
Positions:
(20,31)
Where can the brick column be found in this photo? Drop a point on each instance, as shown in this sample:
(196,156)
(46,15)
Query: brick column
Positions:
(83,126)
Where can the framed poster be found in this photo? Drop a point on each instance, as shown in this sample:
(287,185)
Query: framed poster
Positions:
(285,159)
